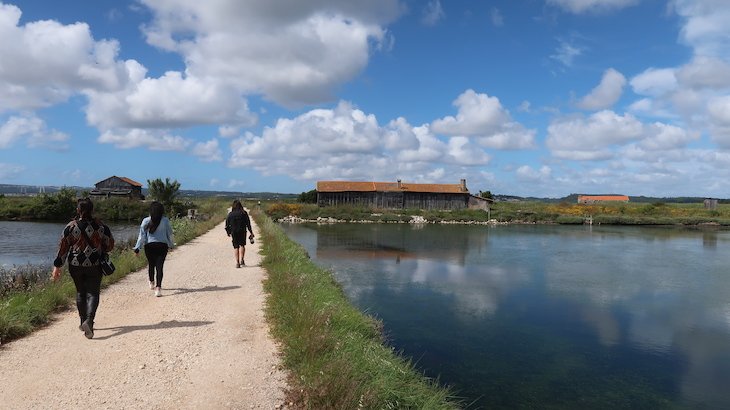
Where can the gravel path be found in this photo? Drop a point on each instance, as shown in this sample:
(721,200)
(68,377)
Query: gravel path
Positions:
(203,344)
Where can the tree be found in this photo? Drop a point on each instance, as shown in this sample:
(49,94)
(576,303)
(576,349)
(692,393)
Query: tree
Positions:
(486,194)
(309,197)
(165,192)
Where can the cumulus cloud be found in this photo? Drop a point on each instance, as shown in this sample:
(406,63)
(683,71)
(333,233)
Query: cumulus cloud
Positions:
(208,151)
(292,52)
(135,138)
(654,82)
(605,94)
(34,74)
(705,72)
(591,6)
(34,131)
(432,13)
(581,138)
(528,173)
(705,26)
(348,143)
(483,117)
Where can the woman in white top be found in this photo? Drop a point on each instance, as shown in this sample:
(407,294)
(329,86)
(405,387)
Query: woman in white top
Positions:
(155,233)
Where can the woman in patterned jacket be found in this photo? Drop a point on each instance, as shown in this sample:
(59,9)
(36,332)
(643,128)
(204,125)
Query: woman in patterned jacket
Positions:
(84,260)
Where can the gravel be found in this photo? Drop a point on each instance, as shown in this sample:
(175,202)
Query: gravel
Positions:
(204,344)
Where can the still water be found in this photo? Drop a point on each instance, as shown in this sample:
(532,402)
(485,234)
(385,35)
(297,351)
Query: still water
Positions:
(546,316)
(36,243)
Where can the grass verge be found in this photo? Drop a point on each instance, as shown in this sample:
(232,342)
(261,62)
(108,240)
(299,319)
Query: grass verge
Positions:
(27,308)
(336,354)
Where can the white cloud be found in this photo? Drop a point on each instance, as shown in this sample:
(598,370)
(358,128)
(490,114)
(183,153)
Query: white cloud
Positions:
(605,94)
(345,142)
(705,72)
(228,131)
(34,131)
(581,138)
(566,53)
(34,73)
(527,173)
(136,138)
(432,13)
(291,52)
(705,26)
(654,82)
(208,151)
(592,6)
(483,117)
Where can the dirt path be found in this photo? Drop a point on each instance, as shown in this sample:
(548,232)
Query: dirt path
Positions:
(203,344)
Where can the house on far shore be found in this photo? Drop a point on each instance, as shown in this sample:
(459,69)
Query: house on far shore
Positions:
(592,199)
(115,186)
(398,195)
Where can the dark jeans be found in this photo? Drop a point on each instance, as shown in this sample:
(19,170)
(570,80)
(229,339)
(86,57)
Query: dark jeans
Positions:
(156,253)
(88,282)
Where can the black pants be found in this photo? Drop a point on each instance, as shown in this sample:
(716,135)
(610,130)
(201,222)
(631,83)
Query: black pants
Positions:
(88,282)
(156,253)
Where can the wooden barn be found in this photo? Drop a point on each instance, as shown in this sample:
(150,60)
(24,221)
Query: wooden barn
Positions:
(394,195)
(115,186)
(592,199)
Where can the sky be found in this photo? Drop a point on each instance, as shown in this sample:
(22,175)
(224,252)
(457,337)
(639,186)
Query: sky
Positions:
(519,97)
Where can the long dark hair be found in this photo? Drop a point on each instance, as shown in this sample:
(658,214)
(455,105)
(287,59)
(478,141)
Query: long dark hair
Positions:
(237,205)
(84,209)
(156,212)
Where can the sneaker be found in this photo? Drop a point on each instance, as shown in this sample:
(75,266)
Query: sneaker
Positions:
(243,263)
(238,265)
(88,328)
(158,292)
(152,285)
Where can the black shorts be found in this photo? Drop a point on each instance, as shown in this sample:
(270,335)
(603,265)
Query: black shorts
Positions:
(239,239)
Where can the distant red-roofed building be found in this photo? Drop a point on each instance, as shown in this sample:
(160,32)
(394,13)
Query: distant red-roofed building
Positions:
(397,195)
(115,186)
(592,199)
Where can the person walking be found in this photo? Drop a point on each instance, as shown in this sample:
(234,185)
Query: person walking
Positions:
(155,234)
(83,242)
(237,222)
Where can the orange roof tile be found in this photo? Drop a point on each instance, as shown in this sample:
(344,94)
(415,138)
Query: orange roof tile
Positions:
(355,186)
(130,181)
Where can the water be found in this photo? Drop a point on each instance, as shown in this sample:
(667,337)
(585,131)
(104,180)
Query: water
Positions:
(36,243)
(546,316)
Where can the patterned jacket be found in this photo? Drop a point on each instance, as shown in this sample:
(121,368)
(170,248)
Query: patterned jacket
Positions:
(74,247)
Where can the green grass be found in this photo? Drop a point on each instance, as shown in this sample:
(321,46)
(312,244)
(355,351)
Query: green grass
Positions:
(31,299)
(521,212)
(335,352)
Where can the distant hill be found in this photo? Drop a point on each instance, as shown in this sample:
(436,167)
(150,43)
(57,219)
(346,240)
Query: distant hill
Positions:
(8,189)
(573,198)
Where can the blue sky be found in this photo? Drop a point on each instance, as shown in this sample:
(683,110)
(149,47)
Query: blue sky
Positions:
(530,97)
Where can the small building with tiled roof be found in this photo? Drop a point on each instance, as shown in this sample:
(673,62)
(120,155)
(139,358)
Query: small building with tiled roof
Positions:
(394,195)
(115,186)
(592,199)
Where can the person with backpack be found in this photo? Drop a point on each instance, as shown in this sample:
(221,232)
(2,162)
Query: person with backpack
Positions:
(155,233)
(237,222)
(83,243)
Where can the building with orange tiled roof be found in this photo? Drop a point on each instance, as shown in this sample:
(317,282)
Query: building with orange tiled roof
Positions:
(115,186)
(592,199)
(397,195)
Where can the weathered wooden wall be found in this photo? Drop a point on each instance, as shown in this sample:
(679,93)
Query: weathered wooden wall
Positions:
(394,200)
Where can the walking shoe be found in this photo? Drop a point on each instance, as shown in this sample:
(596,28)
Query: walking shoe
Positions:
(238,265)
(88,328)
(243,263)
(158,292)
(152,285)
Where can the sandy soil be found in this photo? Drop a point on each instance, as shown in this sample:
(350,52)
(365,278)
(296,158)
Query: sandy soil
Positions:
(204,344)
